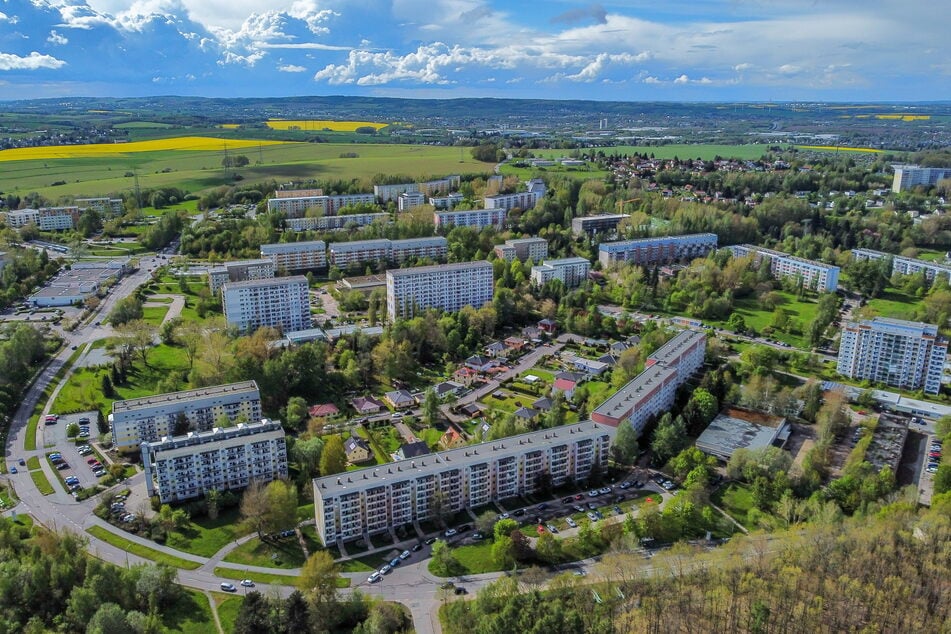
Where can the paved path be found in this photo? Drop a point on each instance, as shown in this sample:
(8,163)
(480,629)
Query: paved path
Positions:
(174,308)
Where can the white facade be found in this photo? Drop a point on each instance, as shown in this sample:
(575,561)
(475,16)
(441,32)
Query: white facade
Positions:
(534,249)
(448,287)
(22,217)
(904,354)
(105,206)
(448,201)
(187,467)
(907,176)
(374,500)
(410,200)
(150,418)
(296,256)
(58,218)
(386,193)
(903,265)
(474,218)
(333,223)
(239,271)
(282,302)
(659,250)
(342,254)
(822,277)
(296,207)
(569,271)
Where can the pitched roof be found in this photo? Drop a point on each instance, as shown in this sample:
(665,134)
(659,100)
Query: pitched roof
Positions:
(365,402)
(544,404)
(352,443)
(525,412)
(323,409)
(564,385)
(400,396)
(413,449)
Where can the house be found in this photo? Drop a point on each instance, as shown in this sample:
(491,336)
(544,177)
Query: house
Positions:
(367,405)
(525,413)
(565,386)
(588,366)
(451,439)
(411,450)
(446,388)
(465,375)
(399,399)
(357,450)
(548,326)
(496,349)
(323,410)
(608,359)
(618,347)
(532,333)
(515,343)
(479,363)
(543,404)
(570,376)
(471,410)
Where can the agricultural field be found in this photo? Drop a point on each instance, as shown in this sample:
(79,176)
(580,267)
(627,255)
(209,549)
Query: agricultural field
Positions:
(706,151)
(836,148)
(196,170)
(321,125)
(118,150)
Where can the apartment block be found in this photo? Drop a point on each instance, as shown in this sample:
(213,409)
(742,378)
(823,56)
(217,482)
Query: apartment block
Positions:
(150,418)
(435,247)
(440,185)
(534,249)
(478,218)
(282,302)
(903,265)
(658,251)
(22,217)
(652,392)
(449,201)
(298,193)
(903,354)
(360,503)
(296,256)
(520,200)
(343,254)
(448,287)
(907,176)
(604,223)
(299,206)
(239,271)
(822,277)
(569,271)
(58,218)
(386,193)
(336,203)
(221,459)
(107,207)
(410,200)
(334,223)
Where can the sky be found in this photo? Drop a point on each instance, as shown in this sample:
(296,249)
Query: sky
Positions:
(627,50)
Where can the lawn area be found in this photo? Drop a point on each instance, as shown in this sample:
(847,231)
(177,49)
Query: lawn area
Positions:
(154,314)
(800,312)
(33,462)
(257,577)
(227,606)
(284,553)
(42,483)
(142,551)
(736,500)
(545,375)
(205,536)
(896,305)
(190,615)
(355,565)
(476,558)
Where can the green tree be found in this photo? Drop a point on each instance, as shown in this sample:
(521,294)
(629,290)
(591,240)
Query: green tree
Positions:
(942,479)
(548,548)
(624,449)
(669,437)
(503,552)
(444,561)
(254,615)
(333,458)
(296,614)
(72,430)
(431,408)
(296,412)
(318,582)
(109,619)
(281,506)
(107,389)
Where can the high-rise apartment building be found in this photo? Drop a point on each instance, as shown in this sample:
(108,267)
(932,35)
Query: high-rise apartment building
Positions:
(150,418)
(903,354)
(478,218)
(296,256)
(360,503)
(520,200)
(907,176)
(239,271)
(448,287)
(903,265)
(222,459)
(658,251)
(569,271)
(822,277)
(343,254)
(107,207)
(299,206)
(281,302)
(58,218)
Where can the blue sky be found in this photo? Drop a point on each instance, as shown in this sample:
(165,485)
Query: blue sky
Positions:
(717,50)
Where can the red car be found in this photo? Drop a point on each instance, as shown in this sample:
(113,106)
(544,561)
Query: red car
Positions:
(540,529)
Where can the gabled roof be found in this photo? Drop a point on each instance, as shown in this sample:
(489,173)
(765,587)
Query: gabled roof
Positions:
(413,449)
(323,409)
(366,402)
(441,389)
(569,376)
(525,412)
(400,396)
(565,385)
(496,346)
(352,443)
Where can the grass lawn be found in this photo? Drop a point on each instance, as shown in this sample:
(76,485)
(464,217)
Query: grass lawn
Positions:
(355,565)
(545,375)
(142,551)
(431,435)
(154,314)
(283,553)
(736,500)
(190,615)
(205,536)
(257,577)
(896,305)
(227,606)
(33,462)
(802,312)
(42,483)
(305,512)
(476,558)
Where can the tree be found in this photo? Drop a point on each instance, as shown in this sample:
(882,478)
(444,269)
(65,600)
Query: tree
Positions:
(126,309)
(254,615)
(109,619)
(503,552)
(254,507)
(296,412)
(942,479)
(624,449)
(318,582)
(669,437)
(136,337)
(485,522)
(107,389)
(333,458)
(548,548)
(445,563)
(281,500)
(431,408)
(72,430)
(296,614)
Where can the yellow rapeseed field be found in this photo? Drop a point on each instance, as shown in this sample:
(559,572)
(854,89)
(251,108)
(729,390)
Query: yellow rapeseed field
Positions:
(834,148)
(317,125)
(904,117)
(185,143)
(229,126)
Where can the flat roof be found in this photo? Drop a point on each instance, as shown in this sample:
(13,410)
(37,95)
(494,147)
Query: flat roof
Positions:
(455,266)
(889,324)
(271,281)
(687,237)
(283,247)
(462,457)
(215,434)
(358,245)
(676,346)
(176,397)
(628,396)
(737,428)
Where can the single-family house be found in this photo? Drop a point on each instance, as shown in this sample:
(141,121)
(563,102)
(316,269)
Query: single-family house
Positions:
(525,413)
(532,333)
(618,347)
(608,359)
(496,349)
(411,450)
(564,386)
(543,404)
(451,439)
(446,388)
(479,363)
(570,376)
(549,326)
(399,399)
(472,410)
(357,450)
(367,405)
(589,366)
(465,375)
(515,343)
(323,410)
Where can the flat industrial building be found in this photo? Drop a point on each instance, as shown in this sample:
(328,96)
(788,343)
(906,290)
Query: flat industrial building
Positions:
(737,428)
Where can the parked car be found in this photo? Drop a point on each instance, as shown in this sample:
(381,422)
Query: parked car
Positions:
(405,554)
(373,578)
(228,587)
(571,523)
(592,516)
(13,470)
(417,548)
(551,528)
(22,462)
(604,490)
(450,532)
(394,562)
(385,570)
(430,541)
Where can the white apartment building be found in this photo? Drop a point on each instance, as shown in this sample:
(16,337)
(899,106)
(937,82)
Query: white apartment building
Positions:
(478,218)
(343,254)
(448,287)
(904,354)
(58,218)
(903,265)
(150,418)
(652,392)
(603,223)
(22,217)
(570,271)
(386,193)
(282,302)
(107,207)
(333,223)
(448,201)
(221,459)
(534,249)
(360,503)
(239,271)
(520,200)
(336,203)
(907,176)
(440,185)
(296,256)
(658,251)
(435,247)
(410,200)
(822,277)
(298,206)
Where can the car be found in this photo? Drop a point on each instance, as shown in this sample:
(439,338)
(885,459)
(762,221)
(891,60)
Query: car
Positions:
(519,513)
(617,509)
(55,455)
(542,506)
(22,462)
(540,529)
(599,515)
(638,485)
(592,516)
(430,541)
(396,415)
(228,587)
(100,473)
(417,547)
(63,465)
(567,500)
(625,485)
(592,506)
(579,497)
(83,420)
(385,570)
(578,508)
(460,590)
(405,554)
(504,516)
(551,528)
(92,461)
(450,532)
(13,470)
(394,562)
(932,469)
(247,583)
(593,493)
(373,578)
(477,536)
(571,523)
(465,528)
(84,434)
(604,490)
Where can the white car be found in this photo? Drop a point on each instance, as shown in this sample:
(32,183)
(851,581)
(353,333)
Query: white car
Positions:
(405,554)
(571,523)
(247,583)
(376,576)
(450,532)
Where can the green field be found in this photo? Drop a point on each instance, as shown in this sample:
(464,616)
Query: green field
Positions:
(736,500)
(191,615)
(284,553)
(204,536)
(228,606)
(705,151)
(142,551)
(758,318)
(896,305)
(195,171)
(41,482)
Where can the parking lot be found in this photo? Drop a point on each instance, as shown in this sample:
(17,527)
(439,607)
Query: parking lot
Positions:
(56,442)
(931,457)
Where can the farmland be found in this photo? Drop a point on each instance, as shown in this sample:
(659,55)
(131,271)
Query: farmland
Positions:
(706,151)
(195,170)
(319,125)
(120,150)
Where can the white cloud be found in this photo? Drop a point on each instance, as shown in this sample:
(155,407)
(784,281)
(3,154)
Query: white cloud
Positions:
(683,79)
(12,19)
(292,68)
(33,61)
(56,38)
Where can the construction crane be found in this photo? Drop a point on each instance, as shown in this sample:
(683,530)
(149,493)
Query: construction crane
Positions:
(621,203)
